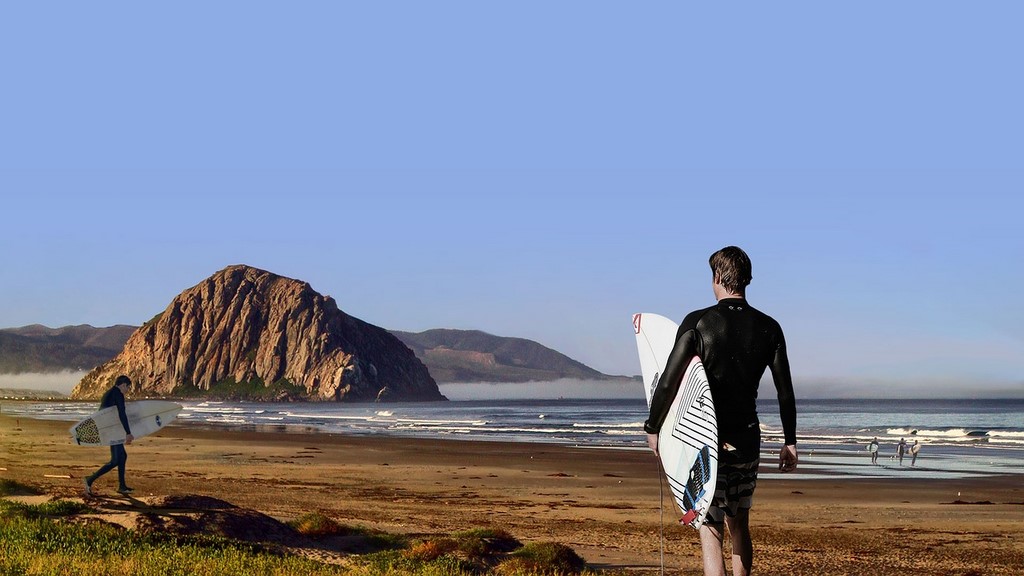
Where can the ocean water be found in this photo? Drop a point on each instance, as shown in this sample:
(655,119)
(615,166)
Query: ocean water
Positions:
(959,438)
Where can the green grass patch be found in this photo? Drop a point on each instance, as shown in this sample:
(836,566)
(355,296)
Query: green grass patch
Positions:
(42,546)
(398,563)
(246,390)
(52,539)
(356,540)
(52,509)
(317,525)
(543,558)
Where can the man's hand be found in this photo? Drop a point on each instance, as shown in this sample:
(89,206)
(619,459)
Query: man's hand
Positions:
(788,458)
(652,443)
(128,439)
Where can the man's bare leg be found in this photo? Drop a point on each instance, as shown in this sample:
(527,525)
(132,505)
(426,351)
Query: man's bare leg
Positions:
(742,545)
(711,549)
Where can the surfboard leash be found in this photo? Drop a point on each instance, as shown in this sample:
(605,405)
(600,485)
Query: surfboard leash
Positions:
(661,512)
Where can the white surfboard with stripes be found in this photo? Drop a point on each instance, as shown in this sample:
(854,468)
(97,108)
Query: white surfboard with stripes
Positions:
(688,441)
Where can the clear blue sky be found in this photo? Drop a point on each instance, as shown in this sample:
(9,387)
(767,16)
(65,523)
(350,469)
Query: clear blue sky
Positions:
(535,169)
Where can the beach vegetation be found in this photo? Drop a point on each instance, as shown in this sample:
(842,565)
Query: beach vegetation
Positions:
(317,525)
(44,545)
(542,558)
(254,389)
(398,563)
(480,548)
(478,551)
(66,537)
(352,539)
(51,509)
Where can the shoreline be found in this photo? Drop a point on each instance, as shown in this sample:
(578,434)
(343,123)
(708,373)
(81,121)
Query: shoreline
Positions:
(819,461)
(602,503)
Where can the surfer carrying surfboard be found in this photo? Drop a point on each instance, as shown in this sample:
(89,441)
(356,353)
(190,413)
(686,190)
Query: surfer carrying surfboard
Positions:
(736,343)
(118,455)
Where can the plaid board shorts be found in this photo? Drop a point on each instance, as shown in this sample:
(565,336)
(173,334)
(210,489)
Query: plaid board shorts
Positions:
(735,487)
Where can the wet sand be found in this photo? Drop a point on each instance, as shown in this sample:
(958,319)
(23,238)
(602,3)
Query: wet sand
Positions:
(602,503)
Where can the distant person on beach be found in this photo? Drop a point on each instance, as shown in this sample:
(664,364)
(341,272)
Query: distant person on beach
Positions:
(118,455)
(913,452)
(901,449)
(873,448)
(735,342)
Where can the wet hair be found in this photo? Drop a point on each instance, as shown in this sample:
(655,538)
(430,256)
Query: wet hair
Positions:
(731,268)
(122,379)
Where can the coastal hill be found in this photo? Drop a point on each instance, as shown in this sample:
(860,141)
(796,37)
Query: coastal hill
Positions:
(40,349)
(248,333)
(474,356)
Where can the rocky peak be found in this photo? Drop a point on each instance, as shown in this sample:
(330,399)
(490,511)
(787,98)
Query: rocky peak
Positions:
(245,327)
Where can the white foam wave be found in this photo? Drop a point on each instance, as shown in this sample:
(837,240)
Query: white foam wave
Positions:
(949,434)
(425,422)
(221,410)
(1006,434)
(301,415)
(225,420)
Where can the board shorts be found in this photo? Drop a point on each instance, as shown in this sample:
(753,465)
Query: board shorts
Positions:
(737,478)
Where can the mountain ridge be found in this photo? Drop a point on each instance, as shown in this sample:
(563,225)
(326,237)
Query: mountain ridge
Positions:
(38,349)
(454,355)
(447,361)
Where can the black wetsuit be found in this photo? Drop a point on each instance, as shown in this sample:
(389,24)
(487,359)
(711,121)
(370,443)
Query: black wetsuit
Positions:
(118,455)
(114,397)
(735,343)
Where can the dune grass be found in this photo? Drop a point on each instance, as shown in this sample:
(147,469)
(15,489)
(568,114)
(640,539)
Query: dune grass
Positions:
(480,551)
(49,539)
(357,540)
(62,537)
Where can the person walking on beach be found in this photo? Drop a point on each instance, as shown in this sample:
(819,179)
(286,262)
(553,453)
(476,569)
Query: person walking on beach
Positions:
(901,449)
(913,452)
(873,448)
(118,455)
(735,342)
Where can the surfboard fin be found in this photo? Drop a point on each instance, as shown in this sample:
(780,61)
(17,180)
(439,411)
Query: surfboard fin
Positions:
(689,517)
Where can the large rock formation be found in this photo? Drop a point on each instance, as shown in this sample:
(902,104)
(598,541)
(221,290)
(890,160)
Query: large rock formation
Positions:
(247,333)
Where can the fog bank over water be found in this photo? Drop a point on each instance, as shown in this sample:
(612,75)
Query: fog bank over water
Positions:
(565,388)
(62,382)
(900,389)
(817,389)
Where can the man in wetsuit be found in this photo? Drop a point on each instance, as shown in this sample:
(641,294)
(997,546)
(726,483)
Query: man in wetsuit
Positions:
(118,455)
(735,343)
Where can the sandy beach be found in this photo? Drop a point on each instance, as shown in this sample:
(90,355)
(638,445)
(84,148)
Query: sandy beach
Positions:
(602,503)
